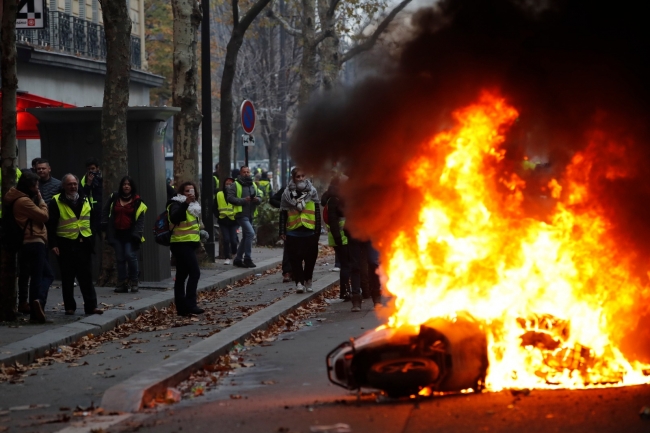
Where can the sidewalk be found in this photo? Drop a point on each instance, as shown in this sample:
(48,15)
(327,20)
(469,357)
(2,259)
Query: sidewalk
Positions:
(23,341)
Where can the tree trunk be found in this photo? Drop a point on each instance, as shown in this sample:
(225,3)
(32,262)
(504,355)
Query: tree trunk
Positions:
(328,49)
(227,78)
(187,18)
(308,80)
(117,26)
(8,151)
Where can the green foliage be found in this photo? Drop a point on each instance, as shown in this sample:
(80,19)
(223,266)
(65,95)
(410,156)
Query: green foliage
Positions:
(267,219)
(160,47)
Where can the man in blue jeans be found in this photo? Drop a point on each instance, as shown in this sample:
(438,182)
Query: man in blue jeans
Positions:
(244,195)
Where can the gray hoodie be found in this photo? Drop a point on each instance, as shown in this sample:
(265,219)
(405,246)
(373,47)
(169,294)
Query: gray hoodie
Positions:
(248,189)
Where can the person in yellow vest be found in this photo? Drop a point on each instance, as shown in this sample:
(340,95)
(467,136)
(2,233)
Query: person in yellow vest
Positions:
(227,224)
(215,178)
(337,237)
(73,242)
(184,211)
(300,226)
(123,223)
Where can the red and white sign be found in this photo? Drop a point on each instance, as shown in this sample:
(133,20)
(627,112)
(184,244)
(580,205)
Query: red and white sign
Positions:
(248,116)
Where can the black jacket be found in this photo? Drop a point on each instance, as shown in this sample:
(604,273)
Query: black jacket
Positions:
(108,220)
(334,204)
(276,199)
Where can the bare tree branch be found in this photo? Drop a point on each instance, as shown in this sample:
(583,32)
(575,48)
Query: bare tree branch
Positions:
(372,40)
(321,36)
(284,23)
(235,13)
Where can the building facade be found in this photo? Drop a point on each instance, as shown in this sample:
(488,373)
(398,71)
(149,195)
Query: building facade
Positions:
(66,61)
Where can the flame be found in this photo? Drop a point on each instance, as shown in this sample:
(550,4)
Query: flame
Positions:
(550,294)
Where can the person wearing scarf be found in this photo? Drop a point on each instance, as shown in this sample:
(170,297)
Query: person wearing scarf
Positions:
(123,223)
(184,212)
(300,226)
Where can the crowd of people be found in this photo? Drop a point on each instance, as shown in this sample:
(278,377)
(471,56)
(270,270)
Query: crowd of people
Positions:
(66,216)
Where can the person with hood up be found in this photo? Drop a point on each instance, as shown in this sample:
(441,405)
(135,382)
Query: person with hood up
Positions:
(31,213)
(244,195)
(184,212)
(300,226)
(123,223)
(227,224)
(338,236)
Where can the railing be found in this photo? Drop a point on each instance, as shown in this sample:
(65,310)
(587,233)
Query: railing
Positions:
(69,34)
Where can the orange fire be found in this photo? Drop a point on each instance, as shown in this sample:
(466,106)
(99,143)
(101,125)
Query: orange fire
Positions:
(549,294)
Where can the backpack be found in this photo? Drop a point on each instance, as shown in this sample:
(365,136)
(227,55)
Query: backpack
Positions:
(12,234)
(162,234)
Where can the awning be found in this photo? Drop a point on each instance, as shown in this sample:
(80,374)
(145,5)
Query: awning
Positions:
(26,123)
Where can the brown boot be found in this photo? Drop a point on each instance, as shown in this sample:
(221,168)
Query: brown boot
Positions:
(356,303)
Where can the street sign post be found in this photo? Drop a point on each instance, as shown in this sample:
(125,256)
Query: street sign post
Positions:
(248,118)
(31,14)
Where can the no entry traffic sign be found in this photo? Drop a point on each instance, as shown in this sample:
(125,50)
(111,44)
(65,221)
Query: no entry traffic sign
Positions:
(247,114)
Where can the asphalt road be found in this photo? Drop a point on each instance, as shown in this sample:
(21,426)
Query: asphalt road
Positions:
(287,391)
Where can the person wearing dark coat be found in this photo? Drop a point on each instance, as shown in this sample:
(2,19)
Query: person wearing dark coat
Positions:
(123,223)
(73,242)
(184,212)
(275,201)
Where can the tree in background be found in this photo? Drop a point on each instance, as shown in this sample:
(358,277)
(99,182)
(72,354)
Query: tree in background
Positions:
(239,27)
(117,26)
(160,47)
(187,18)
(8,150)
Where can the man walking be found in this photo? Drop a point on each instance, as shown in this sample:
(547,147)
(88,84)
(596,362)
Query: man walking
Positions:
(244,196)
(72,241)
(46,183)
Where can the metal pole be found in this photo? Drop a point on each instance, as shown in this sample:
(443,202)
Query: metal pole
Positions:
(207,198)
(283,90)
(246,156)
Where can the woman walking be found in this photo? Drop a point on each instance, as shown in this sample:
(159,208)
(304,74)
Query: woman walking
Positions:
(123,223)
(184,211)
(227,223)
(31,213)
(300,227)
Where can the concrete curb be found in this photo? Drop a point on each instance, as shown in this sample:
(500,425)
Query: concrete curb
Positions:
(130,395)
(27,350)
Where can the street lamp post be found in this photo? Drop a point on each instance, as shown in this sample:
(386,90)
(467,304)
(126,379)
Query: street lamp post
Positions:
(207,201)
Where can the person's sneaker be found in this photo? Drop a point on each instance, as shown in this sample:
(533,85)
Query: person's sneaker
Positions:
(308,286)
(239,263)
(134,286)
(227,262)
(37,311)
(300,288)
(335,269)
(248,263)
(286,278)
(356,303)
(122,287)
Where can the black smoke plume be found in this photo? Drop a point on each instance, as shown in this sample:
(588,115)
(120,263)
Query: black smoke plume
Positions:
(568,67)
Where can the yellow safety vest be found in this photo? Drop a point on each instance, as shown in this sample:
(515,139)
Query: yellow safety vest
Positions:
(265,186)
(70,227)
(186,231)
(306,218)
(330,237)
(18,174)
(238,209)
(93,202)
(225,208)
(141,209)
